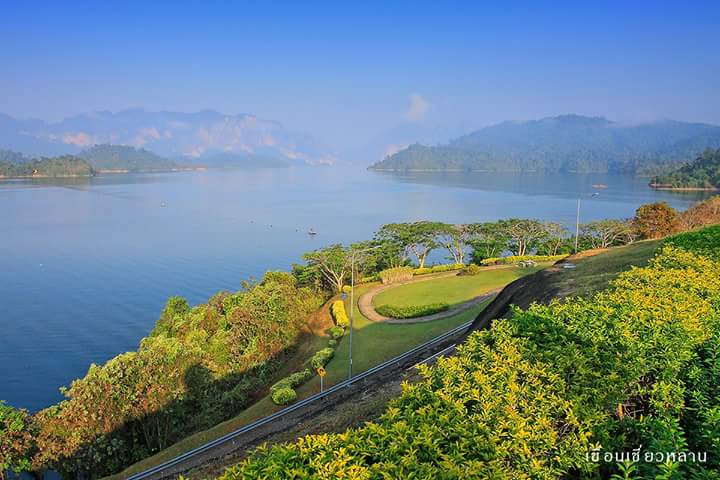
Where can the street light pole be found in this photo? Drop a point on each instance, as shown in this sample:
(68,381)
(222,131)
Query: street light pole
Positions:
(577,221)
(352,307)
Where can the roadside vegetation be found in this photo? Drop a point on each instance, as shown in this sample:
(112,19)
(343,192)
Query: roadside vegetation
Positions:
(624,382)
(206,364)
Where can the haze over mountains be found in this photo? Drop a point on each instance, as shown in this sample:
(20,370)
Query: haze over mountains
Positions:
(185,136)
(569,143)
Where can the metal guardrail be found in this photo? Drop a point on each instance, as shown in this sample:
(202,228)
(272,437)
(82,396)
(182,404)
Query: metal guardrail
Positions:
(295,406)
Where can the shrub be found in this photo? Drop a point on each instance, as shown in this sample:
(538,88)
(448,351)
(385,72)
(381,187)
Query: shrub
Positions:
(371,278)
(284,396)
(339,314)
(521,258)
(471,269)
(346,288)
(396,274)
(412,311)
(322,357)
(332,343)
(336,332)
(292,381)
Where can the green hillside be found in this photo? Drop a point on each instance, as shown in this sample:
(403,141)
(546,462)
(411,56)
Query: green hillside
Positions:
(567,143)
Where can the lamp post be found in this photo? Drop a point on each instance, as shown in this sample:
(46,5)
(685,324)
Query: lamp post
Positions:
(353,253)
(577,221)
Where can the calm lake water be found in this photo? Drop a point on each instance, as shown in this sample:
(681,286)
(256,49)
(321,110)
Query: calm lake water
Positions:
(87,265)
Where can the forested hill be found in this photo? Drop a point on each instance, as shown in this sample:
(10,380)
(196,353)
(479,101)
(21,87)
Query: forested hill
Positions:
(702,173)
(125,158)
(569,143)
(13,164)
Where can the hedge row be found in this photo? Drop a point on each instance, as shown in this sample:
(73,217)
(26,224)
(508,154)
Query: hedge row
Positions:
(633,367)
(521,258)
(438,268)
(283,392)
(412,311)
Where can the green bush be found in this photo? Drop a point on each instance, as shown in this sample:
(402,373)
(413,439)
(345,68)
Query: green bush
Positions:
(412,311)
(396,274)
(336,332)
(293,381)
(521,258)
(322,357)
(332,343)
(339,314)
(284,396)
(471,269)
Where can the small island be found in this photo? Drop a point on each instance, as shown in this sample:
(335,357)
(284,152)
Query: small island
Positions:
(702,174)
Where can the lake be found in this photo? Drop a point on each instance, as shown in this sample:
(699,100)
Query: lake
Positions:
(88,264)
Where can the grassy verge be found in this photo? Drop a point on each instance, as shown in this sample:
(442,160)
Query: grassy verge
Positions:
(451,290)
(594,272)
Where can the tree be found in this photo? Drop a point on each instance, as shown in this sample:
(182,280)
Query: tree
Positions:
(604,233)
(333,262)
(702,213)
(524,234)
(454,238)
(487,239)
(16,440)
(656,220)
(555,236)
(417,238)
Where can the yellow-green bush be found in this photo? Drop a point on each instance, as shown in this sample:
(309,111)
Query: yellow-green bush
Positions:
(521,258)
(438,268)
(339,314)
(532,396)
(284,396)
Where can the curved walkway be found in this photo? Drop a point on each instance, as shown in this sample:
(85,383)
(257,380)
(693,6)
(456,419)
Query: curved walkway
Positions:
(366,307)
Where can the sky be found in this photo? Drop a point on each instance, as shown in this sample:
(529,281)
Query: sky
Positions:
(346,72)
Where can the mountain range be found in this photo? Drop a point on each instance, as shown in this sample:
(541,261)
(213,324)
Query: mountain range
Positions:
(187,137)
(570,143)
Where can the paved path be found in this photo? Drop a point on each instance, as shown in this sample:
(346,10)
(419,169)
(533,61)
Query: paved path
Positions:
(366,307)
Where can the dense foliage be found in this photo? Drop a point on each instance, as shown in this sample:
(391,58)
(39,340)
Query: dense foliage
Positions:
(411,311)
(705,242)
(339,314)
(16,445)
(15,165)
(542,394)
(568,143)
(704,172)
(123,157)
(199,366)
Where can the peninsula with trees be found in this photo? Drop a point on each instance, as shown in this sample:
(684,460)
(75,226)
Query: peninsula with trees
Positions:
(701,174)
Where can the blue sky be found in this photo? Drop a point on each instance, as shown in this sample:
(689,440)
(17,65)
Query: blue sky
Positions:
(347,72)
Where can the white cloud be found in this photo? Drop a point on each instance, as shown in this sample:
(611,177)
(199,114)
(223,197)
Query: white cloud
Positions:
(419,107)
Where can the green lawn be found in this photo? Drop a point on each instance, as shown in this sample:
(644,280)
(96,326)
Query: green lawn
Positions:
(452,290)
